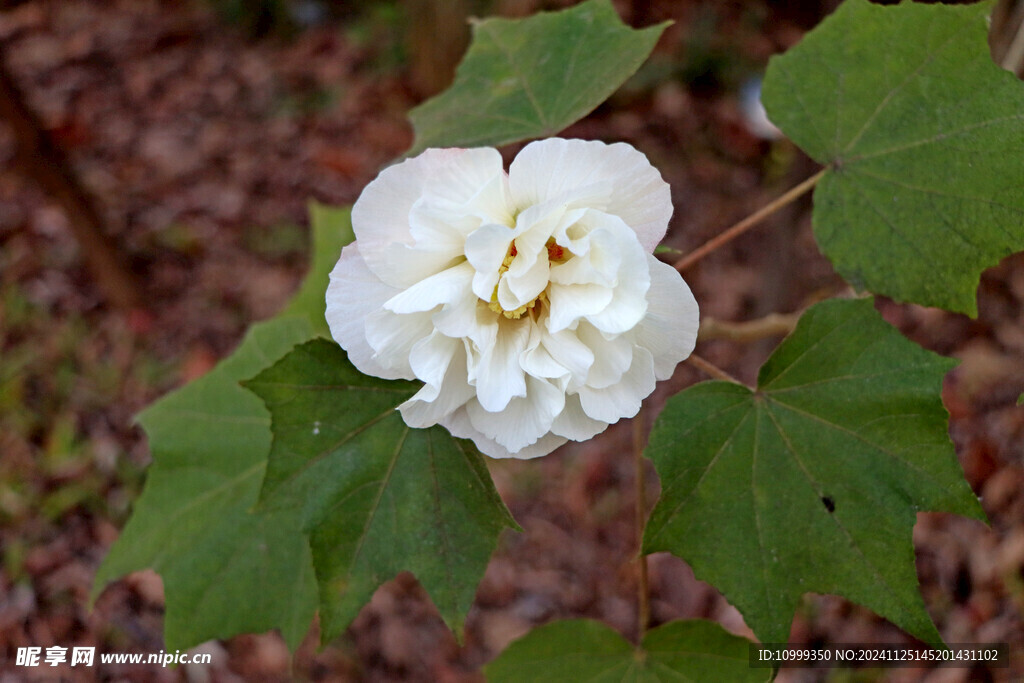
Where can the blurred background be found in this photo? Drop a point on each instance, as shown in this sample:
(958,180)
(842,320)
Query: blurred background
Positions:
(156,161)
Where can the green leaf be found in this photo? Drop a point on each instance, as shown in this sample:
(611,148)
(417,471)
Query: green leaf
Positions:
(923,138)
(813,482)
(225,569)
(530,78)
(377,497)
(584,650)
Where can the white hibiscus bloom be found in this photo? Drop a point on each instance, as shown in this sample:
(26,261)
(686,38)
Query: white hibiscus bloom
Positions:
(528,303)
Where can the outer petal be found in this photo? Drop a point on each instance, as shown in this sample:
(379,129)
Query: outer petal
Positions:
(392,336)
(575,424)
(467,317)
(622,399)
(524,420)
(669,330)
(459,425)
(354,293)
(632,188)
(381,215)
(485,249)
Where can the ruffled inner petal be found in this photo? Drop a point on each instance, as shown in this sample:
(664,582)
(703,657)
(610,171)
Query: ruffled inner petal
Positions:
(499,377)
(485,250)
(612,356)
(566,349)
(570,303)
(436,290)
(441,363)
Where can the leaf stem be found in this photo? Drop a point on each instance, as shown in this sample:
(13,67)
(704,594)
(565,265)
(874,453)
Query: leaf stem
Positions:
(771,325)
(749,222)
(715,371)
(640,513)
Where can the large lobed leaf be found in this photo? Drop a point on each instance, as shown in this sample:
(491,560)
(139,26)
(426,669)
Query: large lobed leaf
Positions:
(225,569)
(811,483)
(376,496)
(530,78)
(923,137)
(584,650)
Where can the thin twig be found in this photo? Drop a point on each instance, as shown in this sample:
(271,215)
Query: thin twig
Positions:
(44,162)
(640,513)
(748,222)
(772,325)
(715,371)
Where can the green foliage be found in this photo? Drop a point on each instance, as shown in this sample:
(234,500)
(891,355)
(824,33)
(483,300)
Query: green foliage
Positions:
(376,496)
(812,482)
(227,570)
(923,137)
(530,78)
(584,650)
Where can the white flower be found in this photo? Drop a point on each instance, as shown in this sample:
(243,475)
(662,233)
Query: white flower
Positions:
(527,303)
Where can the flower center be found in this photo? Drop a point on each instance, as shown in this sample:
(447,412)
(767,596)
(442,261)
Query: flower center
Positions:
(556,254)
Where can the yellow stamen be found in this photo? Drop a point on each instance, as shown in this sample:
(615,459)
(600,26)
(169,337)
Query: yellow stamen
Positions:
(556,254)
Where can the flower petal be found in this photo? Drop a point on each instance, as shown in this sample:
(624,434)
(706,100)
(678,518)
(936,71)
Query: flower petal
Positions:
(459,425)
(629,299)
(570,303)
(381,215)
(669,330)
(623,398)
(441,363)
(524,420)
(436,290)
(574,424)
(632,188)
(570,352)
(499,376)
(536,360)
(353,293)
(612,357)
(467,317)
(486,249)
(392,336)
